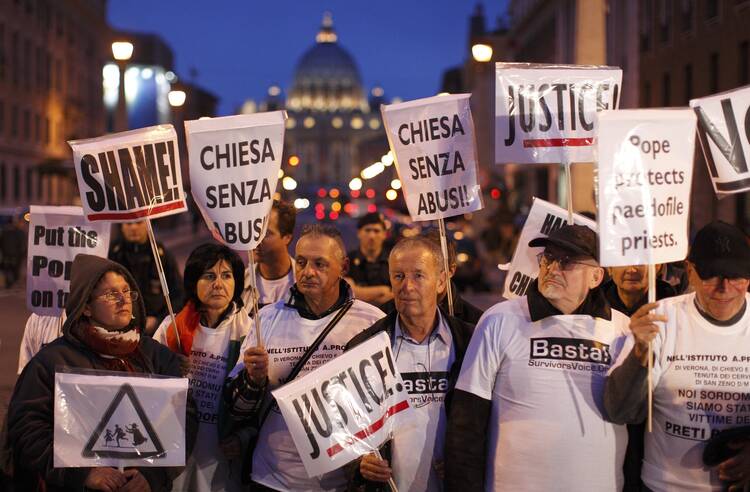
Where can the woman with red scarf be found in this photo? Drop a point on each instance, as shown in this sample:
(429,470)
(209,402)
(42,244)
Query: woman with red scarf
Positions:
(211,328)
(105,318)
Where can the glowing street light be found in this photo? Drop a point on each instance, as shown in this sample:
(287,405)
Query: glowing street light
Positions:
(288,183)
(481,52)
(122,50)
(176,98)
(396,184)
(391,194)
(355,184)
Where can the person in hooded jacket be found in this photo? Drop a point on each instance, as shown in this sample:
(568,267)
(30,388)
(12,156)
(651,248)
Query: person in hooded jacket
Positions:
(103,330)
(211,328)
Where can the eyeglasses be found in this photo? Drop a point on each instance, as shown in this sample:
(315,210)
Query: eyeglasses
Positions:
(717,281)
(115,297)
(563,262)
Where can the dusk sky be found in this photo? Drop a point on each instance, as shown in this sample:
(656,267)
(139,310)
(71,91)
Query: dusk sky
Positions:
(240,48)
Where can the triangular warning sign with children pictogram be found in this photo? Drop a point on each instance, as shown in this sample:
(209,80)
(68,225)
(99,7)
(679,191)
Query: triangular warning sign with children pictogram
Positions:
(124,430)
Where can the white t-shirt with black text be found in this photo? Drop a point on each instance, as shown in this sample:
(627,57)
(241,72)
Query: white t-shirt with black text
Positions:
(286,336)
(207,469)
(546,380)
(39,331)
(701,383)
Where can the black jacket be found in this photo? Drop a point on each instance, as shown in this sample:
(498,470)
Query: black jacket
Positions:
(30,423)
(139,261)
(460,332)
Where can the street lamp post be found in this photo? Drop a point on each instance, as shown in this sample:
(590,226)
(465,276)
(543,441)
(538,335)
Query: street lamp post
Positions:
(122,51)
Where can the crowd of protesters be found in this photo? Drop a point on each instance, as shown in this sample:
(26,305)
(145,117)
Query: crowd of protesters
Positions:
(544,392)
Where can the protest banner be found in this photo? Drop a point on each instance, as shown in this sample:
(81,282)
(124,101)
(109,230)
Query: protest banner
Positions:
(724,134)
(234,169)
(346,408)
(543,218)
(107,420)
(645,174)
(131,175)
(432,140)
(56,236)
(545,113)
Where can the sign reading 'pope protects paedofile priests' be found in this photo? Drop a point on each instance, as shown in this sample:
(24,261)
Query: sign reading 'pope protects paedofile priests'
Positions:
(234,169)
(130,175)
(346,408)
(435,153)
(645,173)
(546,113)
(724,132)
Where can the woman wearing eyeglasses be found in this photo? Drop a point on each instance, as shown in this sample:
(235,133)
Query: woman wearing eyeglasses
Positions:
(105,317)
(211,328)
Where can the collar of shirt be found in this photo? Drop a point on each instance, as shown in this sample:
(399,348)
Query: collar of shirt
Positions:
(297,301)
(440,332)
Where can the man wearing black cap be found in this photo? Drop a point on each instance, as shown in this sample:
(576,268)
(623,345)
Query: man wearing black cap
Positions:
(701,368)
(527,413)
(368,265)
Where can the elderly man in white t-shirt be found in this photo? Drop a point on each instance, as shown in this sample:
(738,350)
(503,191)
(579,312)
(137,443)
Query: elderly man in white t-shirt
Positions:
(701,370)
(288,329)
(527,413)
(274,268)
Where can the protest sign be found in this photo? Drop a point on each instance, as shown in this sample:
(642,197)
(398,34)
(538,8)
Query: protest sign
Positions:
(545,113)
(645,174)
(435,154)
(56,236)
(543,218)
(107,420)
(346,408)
(724,134)
(130,175)
(234,168)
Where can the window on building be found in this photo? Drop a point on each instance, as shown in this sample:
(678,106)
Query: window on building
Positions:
(29,184)
(646,25)
(713,73)
(3,180)
(46,130)
(26,124)
(2,117)
(743,75)
(37,128)
(2,53)
(15,63)
(712,9)
(16,183)
(688,83)
(665,7)
(687,14)
(27,64)
(14,121)
(39,186)
(666,82)
(646,96)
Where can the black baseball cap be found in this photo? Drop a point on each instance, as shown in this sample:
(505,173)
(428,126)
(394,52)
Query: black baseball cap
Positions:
(720,250)
(578,240)
(371,218)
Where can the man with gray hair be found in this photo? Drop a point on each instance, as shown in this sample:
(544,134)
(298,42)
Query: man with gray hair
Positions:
(320,300)
(428,347)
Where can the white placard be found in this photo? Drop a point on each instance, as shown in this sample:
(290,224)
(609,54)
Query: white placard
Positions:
(543,218)
(346,408)
(546,113)
(131,175)
(56,236)
(645,174)
(234,169)
(432,140)
(105,420)
(724,134)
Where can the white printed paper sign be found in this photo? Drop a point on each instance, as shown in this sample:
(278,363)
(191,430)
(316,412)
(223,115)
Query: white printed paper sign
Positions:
(546,113)
(105,420)
(234,169)
(435,153)
(543,218)
(645,173)
(346,408)
(56,236)
(724,134)
(131,175)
